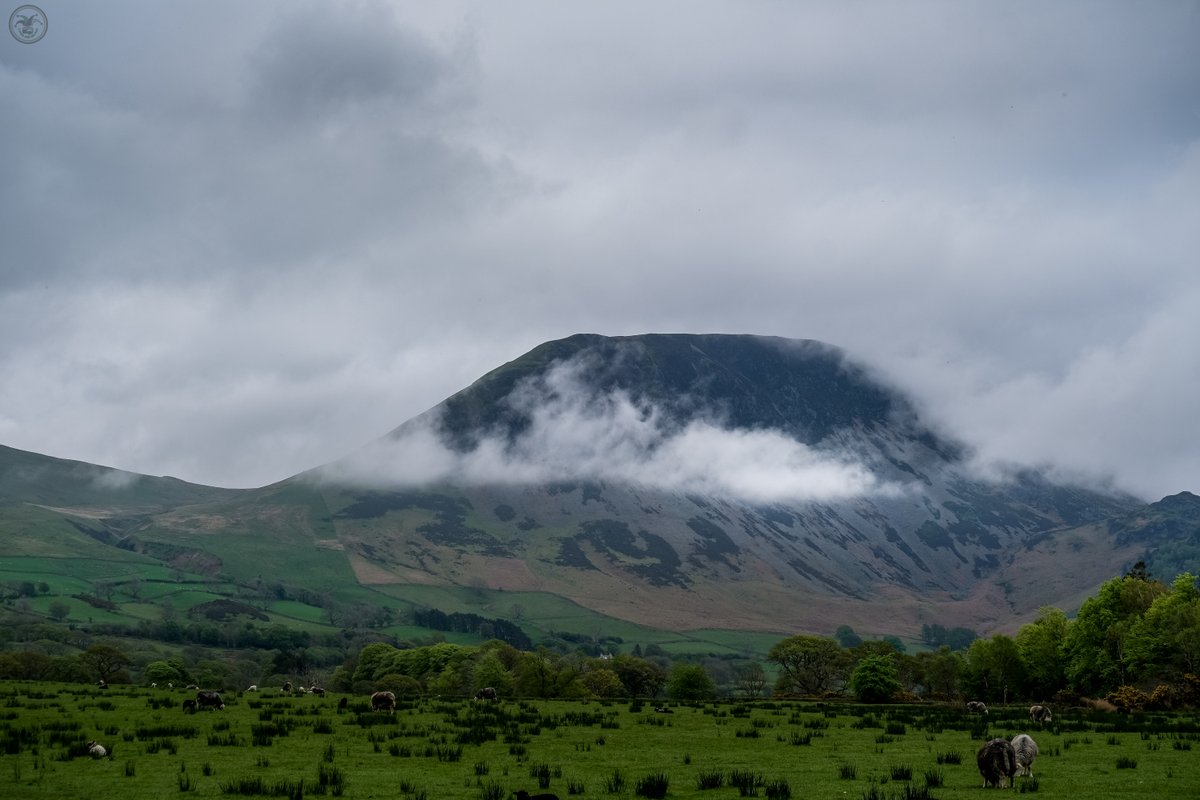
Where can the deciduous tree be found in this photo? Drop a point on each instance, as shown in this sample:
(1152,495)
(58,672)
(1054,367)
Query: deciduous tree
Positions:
(809,664)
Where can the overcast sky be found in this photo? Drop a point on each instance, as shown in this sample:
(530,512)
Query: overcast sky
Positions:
(239,240)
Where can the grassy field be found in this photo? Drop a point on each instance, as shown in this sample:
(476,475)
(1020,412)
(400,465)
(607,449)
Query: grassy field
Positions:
(268,744)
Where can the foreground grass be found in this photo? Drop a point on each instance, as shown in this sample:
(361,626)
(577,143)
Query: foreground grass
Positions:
(267,744)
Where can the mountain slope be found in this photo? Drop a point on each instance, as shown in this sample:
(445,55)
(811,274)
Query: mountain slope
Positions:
(677,481)
(880,512)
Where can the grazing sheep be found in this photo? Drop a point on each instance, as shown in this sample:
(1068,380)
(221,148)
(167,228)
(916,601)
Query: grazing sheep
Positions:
(103,684)
(1026,751)
(318,691)
(383,701)
(486,693)
(189,706)
(252,687)
(524,795)
(1039,713)
(997,762)
(977,707)
(287,687)
(343,703)
(96,750)
(209,699)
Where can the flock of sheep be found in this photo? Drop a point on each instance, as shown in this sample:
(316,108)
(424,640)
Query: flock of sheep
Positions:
(999,759)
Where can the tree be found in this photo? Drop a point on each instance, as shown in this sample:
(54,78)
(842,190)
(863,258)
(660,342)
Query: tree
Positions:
(994,671)
(59,610)
(641,678)
(1040,644)
(690,683)
(104,661)
(847,637)
(163,672)
(490,671)
(751,679)
(939,672)
(874,679)
(809,664)
(1097,641)
(602,683)
(1165,642)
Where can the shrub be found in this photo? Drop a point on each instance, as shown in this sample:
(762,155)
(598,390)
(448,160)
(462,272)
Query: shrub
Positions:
(1128,698)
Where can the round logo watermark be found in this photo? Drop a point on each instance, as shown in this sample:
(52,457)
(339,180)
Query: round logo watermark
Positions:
(28,24)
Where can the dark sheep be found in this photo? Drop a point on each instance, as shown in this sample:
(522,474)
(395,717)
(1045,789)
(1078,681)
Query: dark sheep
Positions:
(1040,714)
(997,763)
(524,795)
(287,687)
(189,706)
(383,701)
(977,707)
(343,703)
(209,699)
(486,693)
(318,691)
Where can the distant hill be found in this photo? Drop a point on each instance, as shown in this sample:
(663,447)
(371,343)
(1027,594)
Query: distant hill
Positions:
(680,482)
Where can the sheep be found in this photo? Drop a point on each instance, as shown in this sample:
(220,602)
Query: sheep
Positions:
(318,691)
(209,699)
(252,687)
(1026,751)
(287,687)
(486,693)
(977,707)
(524,795)
(383,701)
(96,750)
(1040,714)
(189,706)
(997,762)
(343,703)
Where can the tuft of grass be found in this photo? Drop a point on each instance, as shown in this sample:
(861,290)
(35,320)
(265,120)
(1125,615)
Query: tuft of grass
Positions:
(778,790)
(710,779)
(653,786)
(615,783)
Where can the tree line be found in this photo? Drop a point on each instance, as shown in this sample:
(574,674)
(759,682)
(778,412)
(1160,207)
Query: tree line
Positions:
(1135,643)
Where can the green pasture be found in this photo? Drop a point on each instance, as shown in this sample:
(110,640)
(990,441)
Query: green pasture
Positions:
(270,744)
(541,615)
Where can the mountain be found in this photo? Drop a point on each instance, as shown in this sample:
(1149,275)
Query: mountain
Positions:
(676,481)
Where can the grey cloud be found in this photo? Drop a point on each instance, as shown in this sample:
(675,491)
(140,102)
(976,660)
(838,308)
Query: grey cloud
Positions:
(242,239)
(575,434)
